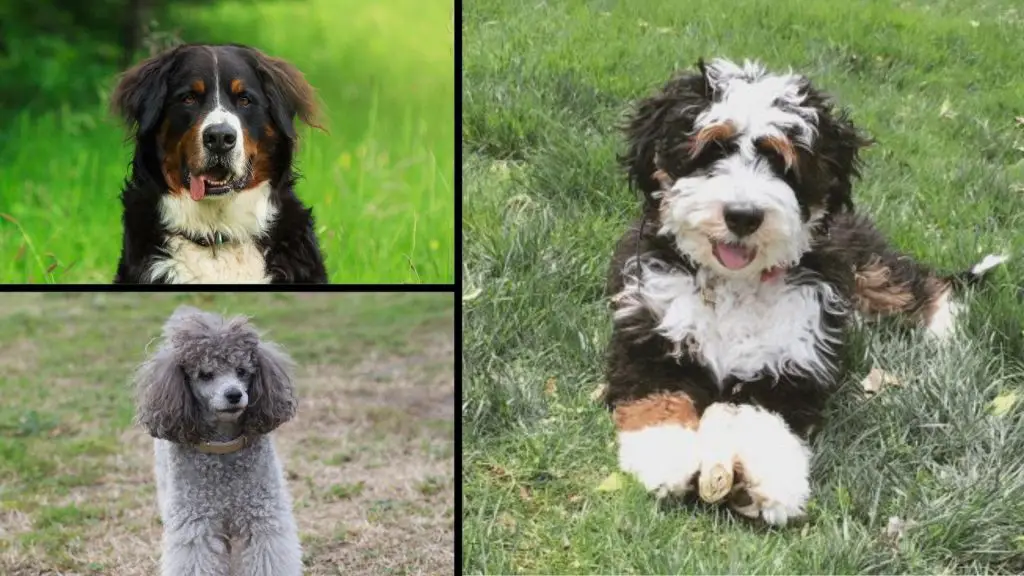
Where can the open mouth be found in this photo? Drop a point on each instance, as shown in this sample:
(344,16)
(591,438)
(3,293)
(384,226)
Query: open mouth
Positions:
(215,181)
(732,255)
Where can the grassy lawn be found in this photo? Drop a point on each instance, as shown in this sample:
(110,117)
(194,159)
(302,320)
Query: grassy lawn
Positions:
(940,86)
(368,458)
(380,182)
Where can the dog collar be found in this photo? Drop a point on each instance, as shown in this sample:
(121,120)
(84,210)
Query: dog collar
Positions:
(223,447)
(211,240)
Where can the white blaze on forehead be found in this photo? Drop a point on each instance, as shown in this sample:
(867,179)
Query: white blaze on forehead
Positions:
(221,115)
(758,103)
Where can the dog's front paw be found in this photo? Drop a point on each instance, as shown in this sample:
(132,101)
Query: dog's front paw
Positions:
(750,458)
(663,457)
(717,436)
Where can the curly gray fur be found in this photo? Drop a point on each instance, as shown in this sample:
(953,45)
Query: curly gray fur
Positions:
(193,341)
(215,379)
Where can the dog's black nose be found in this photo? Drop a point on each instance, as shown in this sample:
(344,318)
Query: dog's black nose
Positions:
(743,219)
(219,138)
(234,396)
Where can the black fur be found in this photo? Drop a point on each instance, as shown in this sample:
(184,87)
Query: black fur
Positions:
(660,128)
(658,133)
(638,361)
(148,96)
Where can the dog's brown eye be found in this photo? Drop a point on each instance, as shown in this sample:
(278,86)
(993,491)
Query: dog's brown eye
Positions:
(205,375)
(188,99)
(243,101)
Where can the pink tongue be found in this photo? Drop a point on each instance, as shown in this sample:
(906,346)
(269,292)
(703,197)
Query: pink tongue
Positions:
(733,256)
(197,187)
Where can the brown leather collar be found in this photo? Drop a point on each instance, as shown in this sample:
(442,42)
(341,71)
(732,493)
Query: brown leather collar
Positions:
(228,447)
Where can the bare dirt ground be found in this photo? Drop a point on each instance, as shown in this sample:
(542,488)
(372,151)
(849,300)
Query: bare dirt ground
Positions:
(369,460)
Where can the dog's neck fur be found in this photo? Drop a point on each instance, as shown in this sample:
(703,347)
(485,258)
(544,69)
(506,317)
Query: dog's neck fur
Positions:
(225,431)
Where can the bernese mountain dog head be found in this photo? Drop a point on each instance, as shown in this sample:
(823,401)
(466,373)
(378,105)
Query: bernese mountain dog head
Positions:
(742,166)
(213,120)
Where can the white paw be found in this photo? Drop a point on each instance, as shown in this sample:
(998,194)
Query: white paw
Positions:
(717,436)
(774,465)
(663,457)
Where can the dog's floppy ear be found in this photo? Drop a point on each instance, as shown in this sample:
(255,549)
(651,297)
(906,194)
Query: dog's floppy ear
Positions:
(838,146)
(660,126)
(165,405)
(272,396)
(289,93)
(139,96)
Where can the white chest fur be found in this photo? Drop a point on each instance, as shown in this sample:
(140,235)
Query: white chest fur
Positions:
(750,329)
(238,216)
(189,263)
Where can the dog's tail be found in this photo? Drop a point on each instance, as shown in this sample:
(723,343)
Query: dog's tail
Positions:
(977,273)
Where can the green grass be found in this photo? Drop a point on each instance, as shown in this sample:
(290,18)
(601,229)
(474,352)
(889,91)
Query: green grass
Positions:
(76,480)
(380,182)
(939,85)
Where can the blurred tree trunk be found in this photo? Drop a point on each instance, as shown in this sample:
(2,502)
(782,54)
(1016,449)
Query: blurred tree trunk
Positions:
(136,16)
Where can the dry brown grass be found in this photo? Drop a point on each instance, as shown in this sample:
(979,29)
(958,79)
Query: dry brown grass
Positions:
(369,461)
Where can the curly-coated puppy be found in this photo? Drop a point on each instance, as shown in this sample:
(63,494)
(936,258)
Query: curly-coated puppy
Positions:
(732,292)
(210,395)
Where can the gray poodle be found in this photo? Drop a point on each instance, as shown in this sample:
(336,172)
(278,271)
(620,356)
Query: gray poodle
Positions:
(209,396)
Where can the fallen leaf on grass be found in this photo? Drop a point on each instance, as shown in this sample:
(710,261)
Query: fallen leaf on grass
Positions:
(877,380)
(1003,403)
(506,520)
(472,295)
(611,483)
(497,471)
(946,110)
(524,494)
(895,528)
(550,388)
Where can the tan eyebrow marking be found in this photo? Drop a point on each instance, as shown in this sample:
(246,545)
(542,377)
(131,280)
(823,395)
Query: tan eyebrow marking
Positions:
(237,86)
(199,86)
(782,146)
(713,133)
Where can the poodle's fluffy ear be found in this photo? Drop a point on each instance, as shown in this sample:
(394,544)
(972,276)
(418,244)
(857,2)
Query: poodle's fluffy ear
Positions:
(659,128)
(166,407)
(272,397)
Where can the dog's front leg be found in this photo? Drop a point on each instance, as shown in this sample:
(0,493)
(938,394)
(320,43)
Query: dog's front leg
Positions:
(196,549)
(272,547)
(656,401)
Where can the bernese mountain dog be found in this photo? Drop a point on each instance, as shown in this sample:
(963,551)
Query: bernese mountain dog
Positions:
(210,198)
(731,293)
